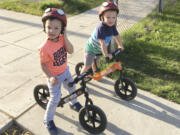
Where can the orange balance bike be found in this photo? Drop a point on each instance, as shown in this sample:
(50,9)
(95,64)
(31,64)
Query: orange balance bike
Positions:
(124,87)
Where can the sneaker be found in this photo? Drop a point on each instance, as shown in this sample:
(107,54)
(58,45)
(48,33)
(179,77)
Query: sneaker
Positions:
(52,128)
(77,106)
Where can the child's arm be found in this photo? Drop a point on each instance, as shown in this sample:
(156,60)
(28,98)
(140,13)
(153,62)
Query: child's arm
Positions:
(69,46)
(104,49)
(53,80)
(118,40)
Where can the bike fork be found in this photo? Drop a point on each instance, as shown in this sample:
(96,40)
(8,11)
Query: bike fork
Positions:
(124,86)
(121,75)
(88,102)
(121,78)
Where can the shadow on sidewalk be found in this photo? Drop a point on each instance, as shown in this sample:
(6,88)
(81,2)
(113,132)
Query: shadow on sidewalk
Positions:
(20,21)
(41,26)
(110,127)
(64,132)
(173,119)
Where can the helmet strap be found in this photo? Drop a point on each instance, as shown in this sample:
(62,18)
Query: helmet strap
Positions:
(101,18)
(62,30)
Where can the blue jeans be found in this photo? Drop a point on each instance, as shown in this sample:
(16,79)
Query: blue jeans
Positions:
(55,94)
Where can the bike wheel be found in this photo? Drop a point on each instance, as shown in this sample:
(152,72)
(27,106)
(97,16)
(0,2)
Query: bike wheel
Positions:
(78,69)
(41,95)
(125,89)
(95,122)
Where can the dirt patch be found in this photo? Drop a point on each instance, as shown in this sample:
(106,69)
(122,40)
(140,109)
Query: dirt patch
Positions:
(16,130)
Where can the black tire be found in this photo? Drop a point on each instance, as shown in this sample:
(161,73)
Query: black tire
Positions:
(41,95)
(78,69)
(96,122)
(125,89)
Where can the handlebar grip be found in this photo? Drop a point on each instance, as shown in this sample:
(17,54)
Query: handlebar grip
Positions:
(116,52)
(78,78)
(70,84)
(107,59)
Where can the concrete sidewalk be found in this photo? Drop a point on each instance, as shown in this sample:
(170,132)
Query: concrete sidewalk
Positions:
(20,36)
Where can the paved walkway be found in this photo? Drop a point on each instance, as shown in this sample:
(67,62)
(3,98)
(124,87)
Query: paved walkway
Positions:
(21,34)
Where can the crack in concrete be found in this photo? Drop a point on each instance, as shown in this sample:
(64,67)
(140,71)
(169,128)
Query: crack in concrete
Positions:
(29,108)
(7,114)
(3,33)
(28,36)
(16,88)
(17,59)
(16,45)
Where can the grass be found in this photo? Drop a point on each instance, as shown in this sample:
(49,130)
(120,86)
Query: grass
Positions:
(71,7)
(152,53)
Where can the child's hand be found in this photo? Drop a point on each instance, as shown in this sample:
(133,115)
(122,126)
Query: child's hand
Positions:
(53,81)
(121,48)
(109,56)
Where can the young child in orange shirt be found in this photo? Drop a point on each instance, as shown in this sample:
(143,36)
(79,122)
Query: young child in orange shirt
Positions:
(53,61)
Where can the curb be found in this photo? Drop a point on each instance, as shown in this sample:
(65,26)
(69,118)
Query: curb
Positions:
(6,126)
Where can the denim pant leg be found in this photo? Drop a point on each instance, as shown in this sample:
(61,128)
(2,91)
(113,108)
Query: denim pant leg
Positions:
(55,96)
(68,78)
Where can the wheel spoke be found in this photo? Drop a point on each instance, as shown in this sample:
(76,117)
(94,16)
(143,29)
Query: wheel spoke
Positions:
(40,93)
(87,120)
(94,126)
(129,90)
(126,86)
(94,115)
(93,119)
(97,120)
(44,91)
(125,92)
(43,96)
(120,87)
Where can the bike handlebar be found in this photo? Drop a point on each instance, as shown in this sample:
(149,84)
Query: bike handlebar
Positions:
(114,54)
(78,78)
(117,52)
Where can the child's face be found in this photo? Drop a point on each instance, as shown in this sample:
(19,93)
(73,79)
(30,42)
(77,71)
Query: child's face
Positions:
(53,29)
(110,17)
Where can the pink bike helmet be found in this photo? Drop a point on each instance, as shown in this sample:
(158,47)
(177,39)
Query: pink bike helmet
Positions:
(107,6)
(54,13)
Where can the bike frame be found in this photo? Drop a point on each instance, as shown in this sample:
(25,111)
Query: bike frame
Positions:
(77,93)
(99,75)
(116,66)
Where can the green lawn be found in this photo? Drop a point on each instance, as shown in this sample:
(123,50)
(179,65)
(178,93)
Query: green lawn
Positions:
(152,53)
(71,7)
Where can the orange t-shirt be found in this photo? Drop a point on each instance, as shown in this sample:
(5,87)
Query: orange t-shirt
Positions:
(54,55)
